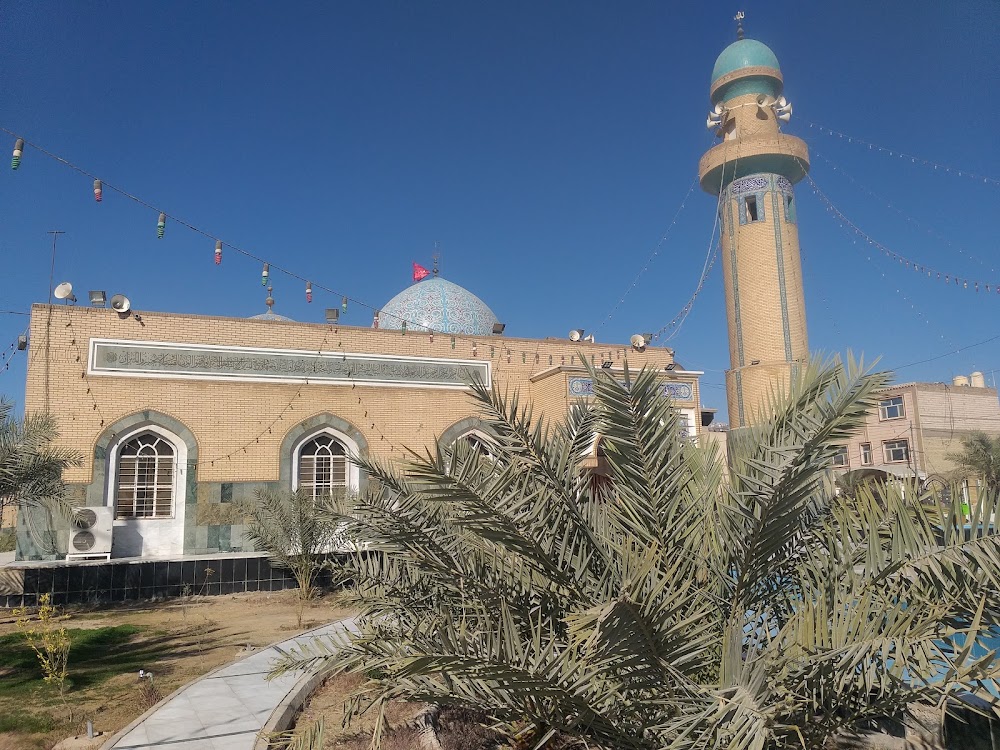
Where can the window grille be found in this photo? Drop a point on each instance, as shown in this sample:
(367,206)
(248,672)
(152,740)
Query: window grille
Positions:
(322,466)
(145,478)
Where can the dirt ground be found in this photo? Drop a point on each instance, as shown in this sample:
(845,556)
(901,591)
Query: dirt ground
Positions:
(457,729)
(180,638)
(329,702)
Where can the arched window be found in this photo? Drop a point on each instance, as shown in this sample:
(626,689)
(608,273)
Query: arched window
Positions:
(322,465)
(145,478)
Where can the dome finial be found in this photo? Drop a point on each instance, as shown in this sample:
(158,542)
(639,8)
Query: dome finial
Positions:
(740,15)
(436,257)
(270,300)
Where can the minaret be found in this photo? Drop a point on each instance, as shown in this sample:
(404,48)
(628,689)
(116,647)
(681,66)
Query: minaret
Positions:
(752,172)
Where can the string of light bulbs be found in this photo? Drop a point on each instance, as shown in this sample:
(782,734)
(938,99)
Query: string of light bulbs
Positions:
(100,186)
(906,262)
(81,359)
(986,180)
(710,256)
(678,320)
(267,266)
(936,357)
(163,217)
(649,261)
(919,313)
(889,204)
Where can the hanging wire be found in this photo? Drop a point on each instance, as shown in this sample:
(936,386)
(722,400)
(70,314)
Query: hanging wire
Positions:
(271,266)
(650,259)
(959,350)
(710,255)
(868,256)
(11,351)
(890,205)
(960,281)
(903,155)
(165,215)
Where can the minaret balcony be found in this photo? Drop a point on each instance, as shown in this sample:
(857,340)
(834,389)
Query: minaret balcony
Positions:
(785,155)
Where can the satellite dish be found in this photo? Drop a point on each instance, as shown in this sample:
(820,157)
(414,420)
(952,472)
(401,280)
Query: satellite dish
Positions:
(576,334)
(638,341)
(64,291)
(120,303)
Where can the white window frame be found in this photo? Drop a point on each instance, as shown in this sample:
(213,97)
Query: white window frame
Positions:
(179,474)
(352,472)
(885,404)
(866,450)
(897,444)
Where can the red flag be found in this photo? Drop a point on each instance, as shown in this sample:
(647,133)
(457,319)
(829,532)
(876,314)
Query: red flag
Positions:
(419,272)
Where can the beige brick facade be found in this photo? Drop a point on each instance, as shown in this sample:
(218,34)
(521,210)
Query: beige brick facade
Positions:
(752,172)
(917,426)
(239,430)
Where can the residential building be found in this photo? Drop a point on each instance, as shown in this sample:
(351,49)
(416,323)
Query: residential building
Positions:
(916,426)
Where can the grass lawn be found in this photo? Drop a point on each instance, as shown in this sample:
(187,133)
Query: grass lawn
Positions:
(177,640)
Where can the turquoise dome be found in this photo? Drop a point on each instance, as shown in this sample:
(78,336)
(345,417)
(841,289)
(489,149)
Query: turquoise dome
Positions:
(741,54)
(744,53)
(438,305)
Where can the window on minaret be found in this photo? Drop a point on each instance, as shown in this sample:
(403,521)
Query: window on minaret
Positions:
(790,209)
(752,210)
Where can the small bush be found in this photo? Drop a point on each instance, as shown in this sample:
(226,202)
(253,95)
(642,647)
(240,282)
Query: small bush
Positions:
(8,540)
(50,642)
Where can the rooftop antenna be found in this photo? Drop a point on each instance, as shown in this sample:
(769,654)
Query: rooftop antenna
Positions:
(436,257)
(48,318)
(52,268)
(740,15)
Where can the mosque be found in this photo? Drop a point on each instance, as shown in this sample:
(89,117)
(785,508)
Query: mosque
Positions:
(182,416)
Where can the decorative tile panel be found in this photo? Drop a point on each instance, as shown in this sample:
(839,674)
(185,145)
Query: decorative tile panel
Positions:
(204,362)
(583,387)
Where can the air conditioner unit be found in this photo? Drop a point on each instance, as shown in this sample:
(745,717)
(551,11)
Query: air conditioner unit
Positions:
(90,532)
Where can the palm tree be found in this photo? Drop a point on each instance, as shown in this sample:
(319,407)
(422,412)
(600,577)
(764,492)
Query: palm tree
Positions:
(31,468)
(657,606)
(294,533)
(980,455)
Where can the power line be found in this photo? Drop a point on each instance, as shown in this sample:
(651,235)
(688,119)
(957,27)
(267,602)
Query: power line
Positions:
(946,354)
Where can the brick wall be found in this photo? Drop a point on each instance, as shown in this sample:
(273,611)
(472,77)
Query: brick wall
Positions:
(229,420)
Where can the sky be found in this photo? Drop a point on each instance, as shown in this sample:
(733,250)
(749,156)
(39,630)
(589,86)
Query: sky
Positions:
(549,150)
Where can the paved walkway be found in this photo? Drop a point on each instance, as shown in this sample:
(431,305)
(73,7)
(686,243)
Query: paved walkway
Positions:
(225,709)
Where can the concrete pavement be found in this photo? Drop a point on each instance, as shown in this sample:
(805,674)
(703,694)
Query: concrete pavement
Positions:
(227,708)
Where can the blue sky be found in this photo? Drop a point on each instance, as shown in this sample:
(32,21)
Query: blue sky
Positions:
(545,146)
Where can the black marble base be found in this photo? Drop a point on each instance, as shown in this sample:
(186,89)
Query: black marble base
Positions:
(97,581)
